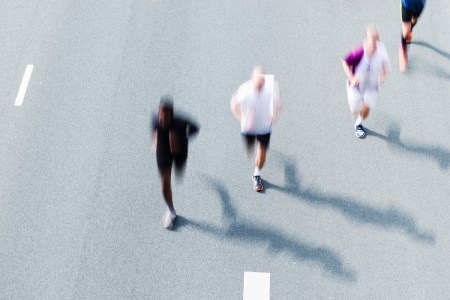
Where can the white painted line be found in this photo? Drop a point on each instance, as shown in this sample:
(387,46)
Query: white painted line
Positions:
(256,286)
(24,85)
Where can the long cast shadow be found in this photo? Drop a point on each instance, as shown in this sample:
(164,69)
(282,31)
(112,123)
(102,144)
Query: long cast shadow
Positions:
(431,47)
(351,208)
(429,68)
(437,153)
(247,232)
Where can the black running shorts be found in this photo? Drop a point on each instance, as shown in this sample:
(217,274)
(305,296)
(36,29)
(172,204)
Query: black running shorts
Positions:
(407,14)
(164,160)
(263,139)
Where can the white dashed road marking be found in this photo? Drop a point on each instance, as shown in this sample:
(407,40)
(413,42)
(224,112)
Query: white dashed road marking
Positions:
(256,286)
(24,85)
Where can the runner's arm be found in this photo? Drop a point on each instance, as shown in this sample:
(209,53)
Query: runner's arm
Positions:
(386,69)
(383,74)
(154,132)
(234,107)
(277,103)
(192,129)
(154,140)
(350,76)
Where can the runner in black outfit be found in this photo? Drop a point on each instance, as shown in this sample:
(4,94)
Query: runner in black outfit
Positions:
(170,141)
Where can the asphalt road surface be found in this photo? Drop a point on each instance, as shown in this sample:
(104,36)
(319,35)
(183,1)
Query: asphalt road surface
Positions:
(341,218)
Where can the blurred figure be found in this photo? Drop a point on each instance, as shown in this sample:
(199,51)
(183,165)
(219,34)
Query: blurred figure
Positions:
(366,67)
(256,104)
(170,142)
(411,10)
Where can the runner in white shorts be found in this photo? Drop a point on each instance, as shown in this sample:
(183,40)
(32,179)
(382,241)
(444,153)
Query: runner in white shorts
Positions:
(366,67)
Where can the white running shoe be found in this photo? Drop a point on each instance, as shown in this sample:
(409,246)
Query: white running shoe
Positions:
(168,219)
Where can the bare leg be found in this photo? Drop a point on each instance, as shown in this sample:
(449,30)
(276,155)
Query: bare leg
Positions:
(403,58)
(364,111)
(174,142)
(260,159)
(166,175)
(406,28)
(260,156)
(413,22)
(250,148)
(249,145)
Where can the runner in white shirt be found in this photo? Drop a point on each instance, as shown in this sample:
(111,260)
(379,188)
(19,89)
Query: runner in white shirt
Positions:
(256,104)
(366,67)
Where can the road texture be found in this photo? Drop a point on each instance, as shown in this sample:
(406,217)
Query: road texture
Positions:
(341,218)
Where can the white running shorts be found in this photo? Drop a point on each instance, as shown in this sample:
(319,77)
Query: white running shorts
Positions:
(356,97)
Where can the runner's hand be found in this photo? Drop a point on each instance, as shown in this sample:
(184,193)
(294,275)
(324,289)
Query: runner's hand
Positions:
(354,82)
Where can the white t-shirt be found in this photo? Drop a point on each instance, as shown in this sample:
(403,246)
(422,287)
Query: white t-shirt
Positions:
(258,109)
(369,69)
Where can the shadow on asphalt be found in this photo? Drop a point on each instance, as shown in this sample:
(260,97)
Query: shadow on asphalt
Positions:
(242,231)
(436,153)
(179,223)
(431,47)
(421,65)
(348,207)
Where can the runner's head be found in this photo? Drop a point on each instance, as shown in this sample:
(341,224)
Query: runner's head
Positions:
(370,40)
(165,110)
(258,77)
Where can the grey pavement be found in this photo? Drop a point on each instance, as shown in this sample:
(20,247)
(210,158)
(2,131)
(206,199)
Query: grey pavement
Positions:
(341,218)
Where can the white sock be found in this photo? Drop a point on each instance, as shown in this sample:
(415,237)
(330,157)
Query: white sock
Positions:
(257,172)
(359,121)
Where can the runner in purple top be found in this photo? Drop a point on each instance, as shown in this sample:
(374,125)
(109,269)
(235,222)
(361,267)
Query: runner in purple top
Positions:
(411,10)
(366,67)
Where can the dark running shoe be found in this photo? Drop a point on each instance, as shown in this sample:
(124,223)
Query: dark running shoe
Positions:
(360,133)
(257,184)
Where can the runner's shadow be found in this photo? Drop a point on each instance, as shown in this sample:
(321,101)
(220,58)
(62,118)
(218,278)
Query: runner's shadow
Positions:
(388,218)
(428,67)
(179,223)
(437,153)
(431,47)
(243,231)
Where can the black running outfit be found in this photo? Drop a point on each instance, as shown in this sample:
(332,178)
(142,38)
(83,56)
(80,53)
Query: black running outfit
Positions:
(184,129)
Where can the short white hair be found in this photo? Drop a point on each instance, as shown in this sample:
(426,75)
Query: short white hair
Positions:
(372,30)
